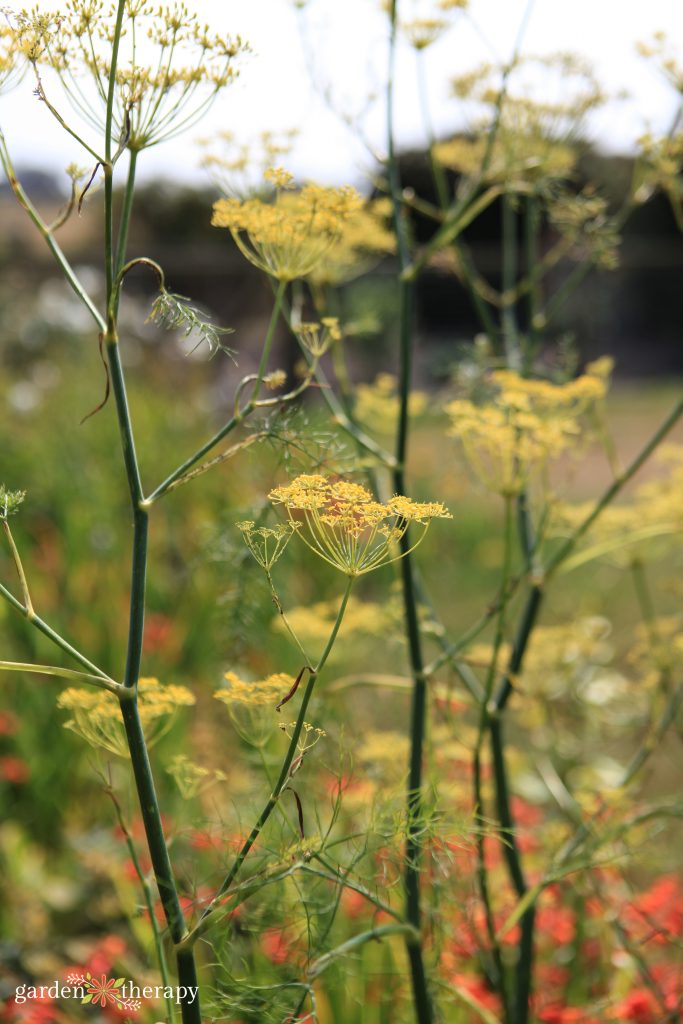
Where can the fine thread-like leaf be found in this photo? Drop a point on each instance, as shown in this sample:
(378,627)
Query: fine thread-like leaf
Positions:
(175,312)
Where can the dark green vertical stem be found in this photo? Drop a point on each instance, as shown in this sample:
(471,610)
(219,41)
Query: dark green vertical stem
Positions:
(531,231)
(524,966)
(510,266)
(142,771)
(128,196)
(418,715)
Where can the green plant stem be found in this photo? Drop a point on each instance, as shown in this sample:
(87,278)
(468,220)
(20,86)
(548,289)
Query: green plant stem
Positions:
(149,904)
(513,356)
(320,965)
(240,414)
(50,633)
(124,226)
(61,673)
(524,966)
(498,978)
(55,249)
(142,771)
(268,343)
(568,545)
(18,565)
(418,713)
(206,919)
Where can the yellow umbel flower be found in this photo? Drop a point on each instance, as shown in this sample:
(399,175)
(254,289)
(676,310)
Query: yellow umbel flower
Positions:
(534,141)
(362,618)
(192,778)
(378,405)
(97,715)
(316,338)
(346,527)
(423,32)
(266,544)
(365,237)
(288,237)
(185,66)
(256,694)
(525,425)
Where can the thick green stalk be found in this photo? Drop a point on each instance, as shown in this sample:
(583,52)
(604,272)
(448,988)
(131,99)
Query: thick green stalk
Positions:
(499,980)
(513,355)
(524,966)
(418,712)
(142,771)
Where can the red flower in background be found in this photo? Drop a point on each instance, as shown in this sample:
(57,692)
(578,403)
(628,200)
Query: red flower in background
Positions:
(41,1010)
(8,723)
(14,770)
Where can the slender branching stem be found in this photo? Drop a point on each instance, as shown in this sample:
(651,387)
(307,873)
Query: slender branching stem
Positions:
(285,774)
(56,639)
(372,934)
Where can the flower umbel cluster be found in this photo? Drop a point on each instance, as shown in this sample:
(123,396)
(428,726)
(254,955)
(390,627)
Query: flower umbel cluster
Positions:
(261,692)
(288,237)
(534,141)
(265,543)
(97,715)
(316,337)
(345,526)
(170,67)
(523,426)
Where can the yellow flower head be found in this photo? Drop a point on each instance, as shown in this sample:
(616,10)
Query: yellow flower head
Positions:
(534,141)
(288,237)
(316,338)
(192,778)
(266,544)
(185,64)
(364,238)
(267,691)
(97,715)
(524,425)
(423,32)
(378,405)
(345,526)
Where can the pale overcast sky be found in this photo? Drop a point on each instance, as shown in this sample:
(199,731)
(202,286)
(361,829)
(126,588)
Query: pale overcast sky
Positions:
(347,41)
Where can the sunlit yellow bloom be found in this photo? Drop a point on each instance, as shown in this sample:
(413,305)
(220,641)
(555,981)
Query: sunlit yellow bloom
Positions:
(388,748)
(524,425)
(583,220)
(262,692)
(377,405)
(533,144)
(364,238)
(346,527)
(97,715)
(236,165)
(362,618)
(288,237)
